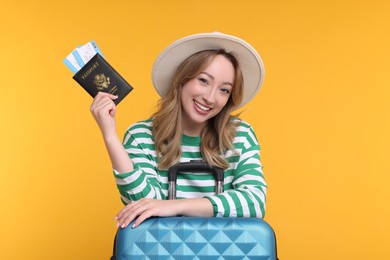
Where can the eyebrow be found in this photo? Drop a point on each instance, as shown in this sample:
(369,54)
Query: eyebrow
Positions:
(212,77)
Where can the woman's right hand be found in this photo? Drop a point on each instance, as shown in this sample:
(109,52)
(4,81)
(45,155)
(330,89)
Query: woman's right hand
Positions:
(103,110)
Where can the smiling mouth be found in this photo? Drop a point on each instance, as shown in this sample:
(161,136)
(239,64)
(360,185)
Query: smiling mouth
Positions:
(202,107)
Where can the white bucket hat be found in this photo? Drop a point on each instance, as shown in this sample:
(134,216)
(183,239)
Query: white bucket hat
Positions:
(169,60)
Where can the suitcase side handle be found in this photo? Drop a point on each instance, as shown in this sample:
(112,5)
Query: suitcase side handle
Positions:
(194,166)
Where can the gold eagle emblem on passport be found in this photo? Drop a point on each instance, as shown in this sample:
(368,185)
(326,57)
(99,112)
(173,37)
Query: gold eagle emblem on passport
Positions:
(101,81)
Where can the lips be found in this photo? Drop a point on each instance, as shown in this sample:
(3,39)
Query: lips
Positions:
(201,108)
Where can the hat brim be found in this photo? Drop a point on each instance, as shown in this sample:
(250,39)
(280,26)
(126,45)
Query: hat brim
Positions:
(169,60)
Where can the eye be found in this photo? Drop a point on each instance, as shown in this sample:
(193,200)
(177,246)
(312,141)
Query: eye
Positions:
(225,90)
(203,81)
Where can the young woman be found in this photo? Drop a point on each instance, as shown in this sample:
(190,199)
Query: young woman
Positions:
(201,79)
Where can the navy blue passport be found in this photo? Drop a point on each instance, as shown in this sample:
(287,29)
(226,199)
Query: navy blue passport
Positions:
(98,75)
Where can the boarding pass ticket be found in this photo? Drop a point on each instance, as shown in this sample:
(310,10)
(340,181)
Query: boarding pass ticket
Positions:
(81,55)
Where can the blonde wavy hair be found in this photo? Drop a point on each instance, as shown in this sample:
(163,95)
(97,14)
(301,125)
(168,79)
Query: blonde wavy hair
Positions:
(217,136)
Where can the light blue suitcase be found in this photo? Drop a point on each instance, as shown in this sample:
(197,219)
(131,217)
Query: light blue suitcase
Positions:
(196,238)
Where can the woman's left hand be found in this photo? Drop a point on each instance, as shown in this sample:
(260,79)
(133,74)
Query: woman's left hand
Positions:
(143,209)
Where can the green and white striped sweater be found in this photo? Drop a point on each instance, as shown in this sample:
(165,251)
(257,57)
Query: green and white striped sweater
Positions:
(244,188)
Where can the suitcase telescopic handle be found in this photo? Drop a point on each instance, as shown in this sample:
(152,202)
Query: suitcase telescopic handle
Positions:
(193,166)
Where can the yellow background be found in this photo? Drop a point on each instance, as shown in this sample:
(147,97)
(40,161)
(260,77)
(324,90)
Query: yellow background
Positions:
(322,118)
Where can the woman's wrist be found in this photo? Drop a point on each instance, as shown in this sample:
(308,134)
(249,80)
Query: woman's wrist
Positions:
(110,137)
(200,207)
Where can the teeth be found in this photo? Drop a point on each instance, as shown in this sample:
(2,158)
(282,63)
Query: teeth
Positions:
(202,107)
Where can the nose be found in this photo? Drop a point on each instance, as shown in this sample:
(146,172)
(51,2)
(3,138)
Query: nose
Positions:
(210,96)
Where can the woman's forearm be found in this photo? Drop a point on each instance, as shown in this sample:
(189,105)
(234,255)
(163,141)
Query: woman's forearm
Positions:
(201,207)
(120,160)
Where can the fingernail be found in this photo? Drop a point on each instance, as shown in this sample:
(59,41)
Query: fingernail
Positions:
(133,226)
(123,226)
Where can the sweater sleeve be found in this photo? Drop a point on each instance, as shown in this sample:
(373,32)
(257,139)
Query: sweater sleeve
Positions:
(143,181)
(248,194)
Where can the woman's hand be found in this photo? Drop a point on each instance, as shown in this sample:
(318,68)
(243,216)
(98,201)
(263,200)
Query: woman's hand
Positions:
(145,208)
(103,110)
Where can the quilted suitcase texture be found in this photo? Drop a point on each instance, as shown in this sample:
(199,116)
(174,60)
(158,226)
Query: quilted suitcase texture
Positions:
(194,237)
(197,238)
